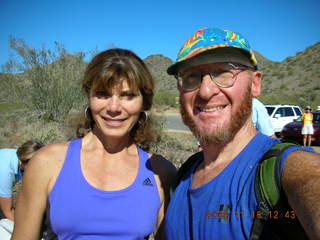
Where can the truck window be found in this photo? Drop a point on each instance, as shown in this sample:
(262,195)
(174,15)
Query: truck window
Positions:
(280,111)
(288,112)
(270,110)
(298,112)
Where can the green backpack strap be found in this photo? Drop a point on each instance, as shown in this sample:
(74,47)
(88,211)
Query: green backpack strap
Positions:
(275,216)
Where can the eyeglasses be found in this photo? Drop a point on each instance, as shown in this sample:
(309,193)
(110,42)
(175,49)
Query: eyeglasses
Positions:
(224,76)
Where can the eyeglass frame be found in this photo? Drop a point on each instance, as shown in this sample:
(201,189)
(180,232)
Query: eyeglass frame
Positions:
(235,66)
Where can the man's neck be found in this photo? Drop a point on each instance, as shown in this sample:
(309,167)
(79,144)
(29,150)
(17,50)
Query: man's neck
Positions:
(217,157)
(223,154)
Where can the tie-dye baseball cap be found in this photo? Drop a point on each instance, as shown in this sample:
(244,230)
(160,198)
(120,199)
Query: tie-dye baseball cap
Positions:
(224,46)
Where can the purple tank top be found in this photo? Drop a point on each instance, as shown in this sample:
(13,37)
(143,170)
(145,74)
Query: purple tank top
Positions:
(77,210)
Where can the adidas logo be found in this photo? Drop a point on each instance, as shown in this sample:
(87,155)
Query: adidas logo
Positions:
(147,182)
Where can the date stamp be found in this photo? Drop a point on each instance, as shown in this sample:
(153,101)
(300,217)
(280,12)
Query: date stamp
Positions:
(227,214)
(275,214)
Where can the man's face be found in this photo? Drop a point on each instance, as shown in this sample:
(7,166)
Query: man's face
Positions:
(216,114)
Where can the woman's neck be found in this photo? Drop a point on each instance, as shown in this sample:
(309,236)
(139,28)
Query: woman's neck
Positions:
(110,144)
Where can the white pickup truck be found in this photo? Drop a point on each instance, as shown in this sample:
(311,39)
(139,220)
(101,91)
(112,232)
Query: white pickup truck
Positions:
(280,115)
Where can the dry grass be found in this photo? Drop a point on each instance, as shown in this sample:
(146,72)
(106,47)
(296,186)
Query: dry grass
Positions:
(16,127)
(176,147)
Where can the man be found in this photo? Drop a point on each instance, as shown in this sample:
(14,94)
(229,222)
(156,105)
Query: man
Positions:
(261,119)
(217,79)
(12,165)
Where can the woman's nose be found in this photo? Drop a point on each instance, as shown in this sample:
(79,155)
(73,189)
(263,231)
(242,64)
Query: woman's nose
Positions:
(114,104)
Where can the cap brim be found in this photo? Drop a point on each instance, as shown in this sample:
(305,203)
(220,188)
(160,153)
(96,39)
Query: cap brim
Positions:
(223,54)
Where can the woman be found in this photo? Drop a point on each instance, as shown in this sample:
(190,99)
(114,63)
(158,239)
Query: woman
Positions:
(101,186)
(307,127)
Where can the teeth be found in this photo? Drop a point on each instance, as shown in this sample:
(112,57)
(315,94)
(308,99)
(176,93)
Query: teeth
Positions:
(114,121)
(211,109)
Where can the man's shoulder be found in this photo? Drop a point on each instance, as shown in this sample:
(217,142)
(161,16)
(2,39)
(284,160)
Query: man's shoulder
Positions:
(262,142)
(298,150)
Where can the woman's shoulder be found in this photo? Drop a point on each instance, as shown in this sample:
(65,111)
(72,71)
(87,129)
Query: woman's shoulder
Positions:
(50,156)
(54,151)
(46,163)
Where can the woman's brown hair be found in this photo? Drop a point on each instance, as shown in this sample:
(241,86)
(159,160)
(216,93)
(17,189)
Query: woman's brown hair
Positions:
(107,70)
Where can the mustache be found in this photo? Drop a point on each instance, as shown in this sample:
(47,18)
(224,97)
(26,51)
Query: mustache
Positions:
(222,135)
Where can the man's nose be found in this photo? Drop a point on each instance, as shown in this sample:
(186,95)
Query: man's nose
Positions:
(208,87)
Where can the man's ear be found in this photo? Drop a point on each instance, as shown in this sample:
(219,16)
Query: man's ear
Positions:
(256,83)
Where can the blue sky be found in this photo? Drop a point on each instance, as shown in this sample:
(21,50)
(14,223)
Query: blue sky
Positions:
(275,28)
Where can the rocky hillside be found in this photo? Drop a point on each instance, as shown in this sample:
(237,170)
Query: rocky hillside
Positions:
(297,77)
(158,65)
(296,80)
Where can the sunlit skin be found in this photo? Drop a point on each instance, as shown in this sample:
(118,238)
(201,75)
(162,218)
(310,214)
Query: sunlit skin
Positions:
(212,109)
(116,112)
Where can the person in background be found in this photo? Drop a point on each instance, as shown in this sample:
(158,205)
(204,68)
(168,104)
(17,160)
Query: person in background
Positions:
(12,165)
(307,126)
(105,185)
(218,76)
(261,119)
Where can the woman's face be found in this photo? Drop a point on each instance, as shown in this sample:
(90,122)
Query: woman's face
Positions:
(115,112)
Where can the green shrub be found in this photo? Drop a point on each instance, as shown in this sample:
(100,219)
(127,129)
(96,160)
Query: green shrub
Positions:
(49,81)
(10,106)
(167,99)
(283,86)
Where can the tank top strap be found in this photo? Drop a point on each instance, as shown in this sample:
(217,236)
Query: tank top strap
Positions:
(72,160)
(70,173)
(144,160)
(74,145)
(146,173)
(73,152)
(143,155)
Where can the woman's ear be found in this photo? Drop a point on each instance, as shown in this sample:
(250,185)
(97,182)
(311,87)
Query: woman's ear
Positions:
(256,83)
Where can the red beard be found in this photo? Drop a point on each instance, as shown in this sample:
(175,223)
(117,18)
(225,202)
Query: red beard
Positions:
(221,136)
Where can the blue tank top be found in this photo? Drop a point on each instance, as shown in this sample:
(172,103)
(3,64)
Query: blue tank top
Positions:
(224,207)
(77,210)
